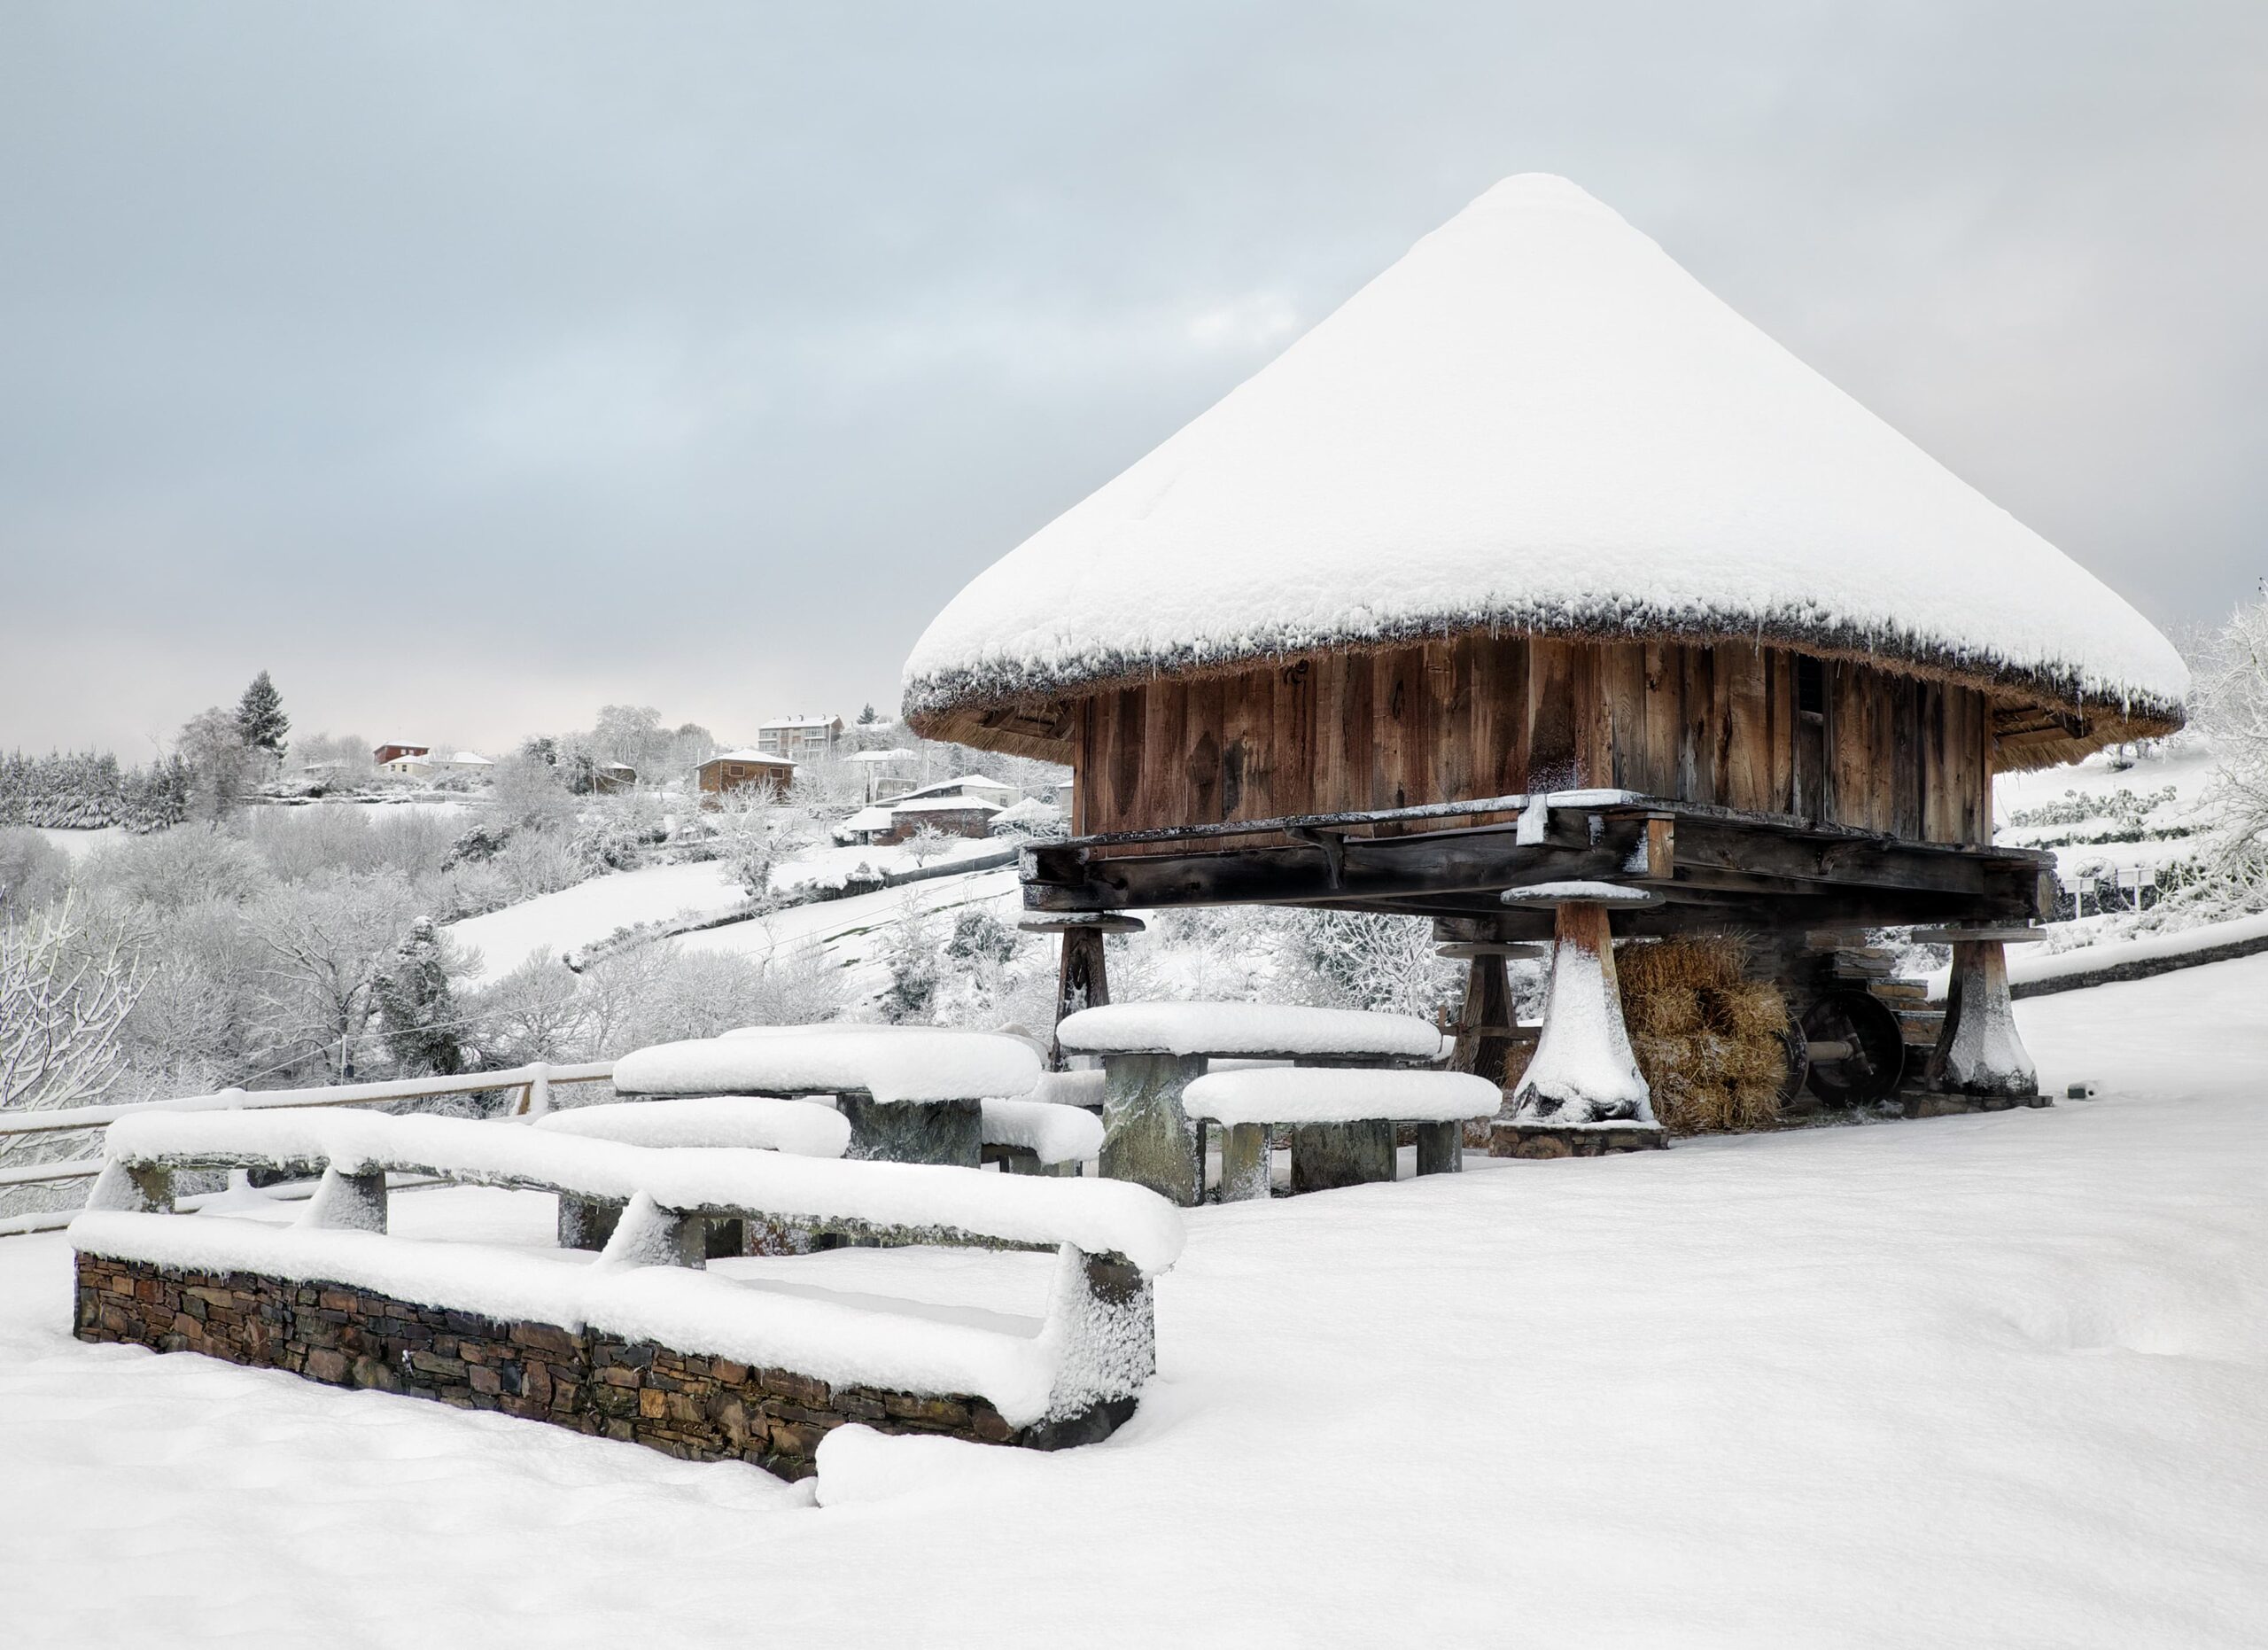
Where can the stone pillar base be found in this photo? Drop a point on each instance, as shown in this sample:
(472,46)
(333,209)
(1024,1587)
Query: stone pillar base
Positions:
(1956,1105)
(1536,1140)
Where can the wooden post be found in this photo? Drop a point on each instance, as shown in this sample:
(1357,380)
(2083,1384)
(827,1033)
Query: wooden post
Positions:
(1082,974)
(1583,1093)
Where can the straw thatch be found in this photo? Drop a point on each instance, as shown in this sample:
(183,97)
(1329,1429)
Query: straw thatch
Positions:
(1707,1037)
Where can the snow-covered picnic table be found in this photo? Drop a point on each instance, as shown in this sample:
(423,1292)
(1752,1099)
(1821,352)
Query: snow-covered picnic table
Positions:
(1151,1052)
(911,1095)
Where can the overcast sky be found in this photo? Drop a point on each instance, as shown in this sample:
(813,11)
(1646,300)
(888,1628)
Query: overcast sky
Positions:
(471,367)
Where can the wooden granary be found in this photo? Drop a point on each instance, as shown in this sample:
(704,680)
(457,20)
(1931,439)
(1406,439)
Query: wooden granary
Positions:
(1536,564)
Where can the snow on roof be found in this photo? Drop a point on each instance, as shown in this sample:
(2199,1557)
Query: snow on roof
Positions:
(750,754)
(867,819)
(966,781)
(799,721)
(884,756)
(943,805)
(1535,420)
(470,759)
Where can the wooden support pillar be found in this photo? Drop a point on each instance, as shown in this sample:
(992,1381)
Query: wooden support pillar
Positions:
(1083,973)
(1980,1054)
(1583,1093)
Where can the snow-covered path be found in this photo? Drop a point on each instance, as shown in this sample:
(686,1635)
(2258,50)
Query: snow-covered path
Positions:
(1992,1381)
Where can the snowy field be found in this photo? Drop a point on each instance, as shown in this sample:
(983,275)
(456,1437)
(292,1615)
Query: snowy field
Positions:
(1994,1380)
(555,924)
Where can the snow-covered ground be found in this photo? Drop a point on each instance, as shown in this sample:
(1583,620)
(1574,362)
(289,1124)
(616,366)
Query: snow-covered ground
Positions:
(1991,1380)
(556,924)
(851,931)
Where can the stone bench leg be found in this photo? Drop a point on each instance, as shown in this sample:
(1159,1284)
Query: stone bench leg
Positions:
(1243,1162)
(585,1222)
(1978,1051)
(1326,1156)
(1440,1148)
(1146,1137)
(943,1131)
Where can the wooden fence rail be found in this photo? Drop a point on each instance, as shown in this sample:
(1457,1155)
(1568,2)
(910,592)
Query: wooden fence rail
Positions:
(534,1081)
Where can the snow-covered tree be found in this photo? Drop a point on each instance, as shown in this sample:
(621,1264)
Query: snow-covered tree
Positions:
(909,952)
(33,871)
(219,764)
(324,943)
(926,844)
(260,721)
(417,1009)
(67,985)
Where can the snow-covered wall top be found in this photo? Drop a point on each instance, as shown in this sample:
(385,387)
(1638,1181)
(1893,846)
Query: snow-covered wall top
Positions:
(1535,420)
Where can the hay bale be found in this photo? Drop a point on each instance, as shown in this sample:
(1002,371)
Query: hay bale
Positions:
(1707,1037)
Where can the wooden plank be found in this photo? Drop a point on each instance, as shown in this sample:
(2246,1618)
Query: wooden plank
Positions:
(1622,679)
(1448,720)
(1399,733)
(1081,769)
(1696,734)
(1664,714)
(1905,746)
(1780,757)
(1744,768)
(1163,798)
(1499,717)
(1551,751)
(1126,752)
(1248,714)
(1292,737)
(1850,757)
(1201,741)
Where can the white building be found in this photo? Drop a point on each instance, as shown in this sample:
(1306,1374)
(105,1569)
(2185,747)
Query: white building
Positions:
(800,738)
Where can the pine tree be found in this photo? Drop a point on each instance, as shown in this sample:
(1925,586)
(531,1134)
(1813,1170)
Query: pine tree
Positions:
(868,717)
(261,718)
(412,998)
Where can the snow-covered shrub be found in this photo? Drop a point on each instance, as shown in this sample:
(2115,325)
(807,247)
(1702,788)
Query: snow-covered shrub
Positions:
(176,869)
(910,952)
(980,937)
(417,1012)
(33,871)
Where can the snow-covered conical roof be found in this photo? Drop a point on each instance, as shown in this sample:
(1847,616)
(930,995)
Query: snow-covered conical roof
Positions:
(1536,421)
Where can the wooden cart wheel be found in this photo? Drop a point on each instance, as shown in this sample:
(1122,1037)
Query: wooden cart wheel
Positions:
(1797,1049)
(1872,1058)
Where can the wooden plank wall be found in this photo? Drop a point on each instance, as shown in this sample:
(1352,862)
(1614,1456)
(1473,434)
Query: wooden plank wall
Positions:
(1484,716)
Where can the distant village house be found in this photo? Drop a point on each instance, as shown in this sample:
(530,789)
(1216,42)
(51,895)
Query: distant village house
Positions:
(800,738)
(743,770)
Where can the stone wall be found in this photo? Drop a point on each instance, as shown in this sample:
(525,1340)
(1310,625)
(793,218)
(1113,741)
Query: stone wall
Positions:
(695,1407)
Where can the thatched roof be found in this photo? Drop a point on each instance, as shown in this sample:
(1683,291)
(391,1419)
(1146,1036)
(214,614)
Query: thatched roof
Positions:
(1537,422)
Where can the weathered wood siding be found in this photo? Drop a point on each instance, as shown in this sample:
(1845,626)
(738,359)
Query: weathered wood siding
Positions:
(1487,716)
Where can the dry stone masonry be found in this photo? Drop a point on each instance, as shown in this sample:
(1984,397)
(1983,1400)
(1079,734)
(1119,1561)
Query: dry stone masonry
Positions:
(697,1408)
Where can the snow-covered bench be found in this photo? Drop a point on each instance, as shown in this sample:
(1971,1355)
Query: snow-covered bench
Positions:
(1073,1381)
(911,1095)
(1151,1051)
(1039,1136)
(1345,1120)
(748,1121)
